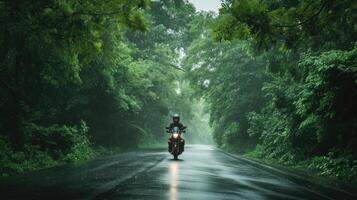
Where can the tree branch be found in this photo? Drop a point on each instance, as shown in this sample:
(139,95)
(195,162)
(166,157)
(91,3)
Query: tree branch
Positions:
(306,20)
(176,67)
(97,14)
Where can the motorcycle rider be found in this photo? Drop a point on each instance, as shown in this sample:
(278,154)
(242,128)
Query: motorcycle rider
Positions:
(176,123)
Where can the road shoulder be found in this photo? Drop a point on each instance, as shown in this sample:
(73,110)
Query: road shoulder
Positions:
(331,188)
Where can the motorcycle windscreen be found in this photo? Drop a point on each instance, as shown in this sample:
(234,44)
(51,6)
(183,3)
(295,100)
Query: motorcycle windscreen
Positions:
(176,129)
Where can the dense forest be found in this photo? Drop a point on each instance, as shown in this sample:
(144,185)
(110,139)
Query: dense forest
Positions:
(275,79)
(77,76)
(280,78)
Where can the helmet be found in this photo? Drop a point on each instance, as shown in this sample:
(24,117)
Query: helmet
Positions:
(176,118)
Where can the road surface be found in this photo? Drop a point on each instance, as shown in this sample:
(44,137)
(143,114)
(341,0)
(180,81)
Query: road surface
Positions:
(202,172)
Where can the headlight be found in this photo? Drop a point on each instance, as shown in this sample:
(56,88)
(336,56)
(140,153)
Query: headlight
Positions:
(175,135)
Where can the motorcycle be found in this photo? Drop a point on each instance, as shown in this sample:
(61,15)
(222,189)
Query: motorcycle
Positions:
(176,141)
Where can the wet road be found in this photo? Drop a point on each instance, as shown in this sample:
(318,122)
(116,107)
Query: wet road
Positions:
(202,172)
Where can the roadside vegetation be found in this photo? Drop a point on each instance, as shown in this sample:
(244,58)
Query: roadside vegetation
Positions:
(79,78)
(281,84)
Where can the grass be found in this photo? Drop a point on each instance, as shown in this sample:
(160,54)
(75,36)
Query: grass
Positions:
(341,167)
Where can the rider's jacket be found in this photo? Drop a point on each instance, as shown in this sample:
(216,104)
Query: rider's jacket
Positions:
(176,124)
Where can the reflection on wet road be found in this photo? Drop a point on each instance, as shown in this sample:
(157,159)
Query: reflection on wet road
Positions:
(202,172)
(173,180)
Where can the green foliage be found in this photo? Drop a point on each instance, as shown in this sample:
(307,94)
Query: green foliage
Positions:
(325,103)
(45,147)
(229,134)
(287,23)
(282,79)
(340,167)
(55,137)
(257,152)
(49,50)
(230,80)
(112,65)
(30,158)
(313,115)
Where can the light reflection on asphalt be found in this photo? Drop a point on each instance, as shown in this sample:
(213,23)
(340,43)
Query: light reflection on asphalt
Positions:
(173,180)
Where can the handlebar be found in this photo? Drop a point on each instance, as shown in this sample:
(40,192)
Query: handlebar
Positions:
(182,130)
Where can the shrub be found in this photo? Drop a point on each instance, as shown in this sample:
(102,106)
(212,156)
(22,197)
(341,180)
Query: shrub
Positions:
(340,167)
(45,147)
